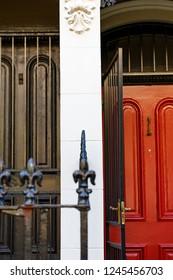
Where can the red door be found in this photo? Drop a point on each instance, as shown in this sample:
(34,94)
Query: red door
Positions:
(148,136)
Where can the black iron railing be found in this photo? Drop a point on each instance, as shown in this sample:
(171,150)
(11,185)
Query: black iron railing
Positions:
(39,215)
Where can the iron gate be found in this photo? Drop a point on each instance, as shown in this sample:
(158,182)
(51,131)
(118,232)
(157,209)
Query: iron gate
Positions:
(38,238)
(114,159)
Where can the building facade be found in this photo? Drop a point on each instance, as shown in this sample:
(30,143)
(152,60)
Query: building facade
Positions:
(54,60)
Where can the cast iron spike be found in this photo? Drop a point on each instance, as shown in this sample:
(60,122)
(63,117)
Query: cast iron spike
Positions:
(83,174)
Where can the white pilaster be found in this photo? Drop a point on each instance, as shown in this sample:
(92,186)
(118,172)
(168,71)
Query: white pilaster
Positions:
(80,79)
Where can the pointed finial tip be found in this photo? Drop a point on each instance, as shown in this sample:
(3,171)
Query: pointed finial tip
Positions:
(31,165)
(83,155)
(2,165)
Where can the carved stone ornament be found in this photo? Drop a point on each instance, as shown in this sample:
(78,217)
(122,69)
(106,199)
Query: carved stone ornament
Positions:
(79,14)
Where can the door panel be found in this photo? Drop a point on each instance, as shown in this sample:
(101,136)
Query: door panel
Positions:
(136,252)
(5,111)
(29,127)
(133,171)
(41,117)
(148,171)
(164,131)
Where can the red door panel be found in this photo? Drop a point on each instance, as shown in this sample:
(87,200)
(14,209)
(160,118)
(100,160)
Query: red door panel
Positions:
(136,252)
(148,134)
(133,160)
(164,132)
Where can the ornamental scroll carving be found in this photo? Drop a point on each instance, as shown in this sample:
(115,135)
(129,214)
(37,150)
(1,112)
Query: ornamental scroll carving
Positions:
(79,14)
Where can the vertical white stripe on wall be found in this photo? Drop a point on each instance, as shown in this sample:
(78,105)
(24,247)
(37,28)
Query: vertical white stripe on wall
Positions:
(80,82)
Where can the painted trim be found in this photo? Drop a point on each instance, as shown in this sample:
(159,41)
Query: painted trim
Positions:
(136,11)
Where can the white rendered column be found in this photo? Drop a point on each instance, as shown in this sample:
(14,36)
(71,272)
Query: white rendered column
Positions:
(80,82)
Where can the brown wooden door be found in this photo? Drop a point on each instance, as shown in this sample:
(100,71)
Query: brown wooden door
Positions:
(29,127)
(148,134)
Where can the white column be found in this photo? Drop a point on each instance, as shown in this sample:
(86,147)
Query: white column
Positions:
(80,78)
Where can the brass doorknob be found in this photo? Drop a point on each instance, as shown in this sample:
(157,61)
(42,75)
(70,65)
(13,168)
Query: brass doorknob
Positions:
(121,209)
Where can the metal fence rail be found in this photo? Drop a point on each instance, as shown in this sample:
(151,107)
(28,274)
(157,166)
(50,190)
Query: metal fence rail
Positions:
(43,250)
(40,215)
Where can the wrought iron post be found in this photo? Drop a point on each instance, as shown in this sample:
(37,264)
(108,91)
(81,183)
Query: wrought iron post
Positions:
(43,244)
(81,176)
(31,175)
(5,179)
(27,233)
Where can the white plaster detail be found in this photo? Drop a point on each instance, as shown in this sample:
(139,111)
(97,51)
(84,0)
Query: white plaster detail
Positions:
(80,14)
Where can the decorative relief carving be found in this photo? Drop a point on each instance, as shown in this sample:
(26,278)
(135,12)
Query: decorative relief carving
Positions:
(80,14)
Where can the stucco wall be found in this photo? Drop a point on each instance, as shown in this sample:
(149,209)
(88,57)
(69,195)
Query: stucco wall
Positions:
(80,109)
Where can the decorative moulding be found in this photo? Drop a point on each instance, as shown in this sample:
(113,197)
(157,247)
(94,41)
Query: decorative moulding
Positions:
(79,14)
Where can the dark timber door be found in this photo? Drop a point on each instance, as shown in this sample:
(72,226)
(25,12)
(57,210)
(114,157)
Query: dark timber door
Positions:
(29,127)
(114,160)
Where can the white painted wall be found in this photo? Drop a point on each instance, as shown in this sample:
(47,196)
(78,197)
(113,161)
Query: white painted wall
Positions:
(80,78)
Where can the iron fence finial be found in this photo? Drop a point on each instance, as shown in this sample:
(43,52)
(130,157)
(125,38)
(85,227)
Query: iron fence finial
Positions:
(83,174)
(31,175)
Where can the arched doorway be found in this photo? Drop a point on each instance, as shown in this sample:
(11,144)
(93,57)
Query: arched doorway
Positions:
(148,119)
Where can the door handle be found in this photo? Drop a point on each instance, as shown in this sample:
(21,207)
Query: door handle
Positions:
(121,209)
